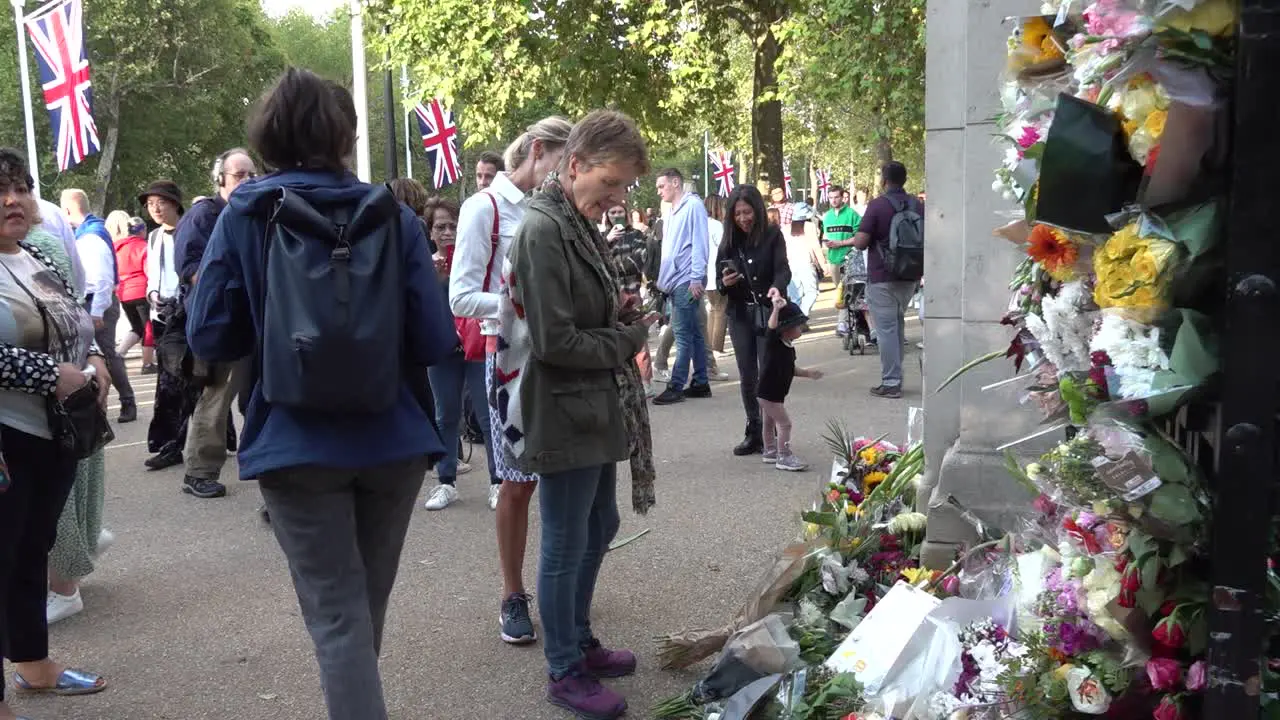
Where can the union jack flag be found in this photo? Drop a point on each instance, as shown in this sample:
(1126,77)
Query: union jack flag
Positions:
(58,34)
(824,183)
(786,181)
(440,139)
(723,170)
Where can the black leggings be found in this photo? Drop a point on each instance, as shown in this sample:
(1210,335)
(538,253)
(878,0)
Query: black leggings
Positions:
(747,349)
(137,312)
(29,511)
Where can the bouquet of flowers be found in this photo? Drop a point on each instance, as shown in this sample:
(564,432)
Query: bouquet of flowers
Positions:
(1135,269)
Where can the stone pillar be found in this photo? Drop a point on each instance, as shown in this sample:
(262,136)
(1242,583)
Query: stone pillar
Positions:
(967,271)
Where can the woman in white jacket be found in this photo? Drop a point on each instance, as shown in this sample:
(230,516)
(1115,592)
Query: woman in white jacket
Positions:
(486,227)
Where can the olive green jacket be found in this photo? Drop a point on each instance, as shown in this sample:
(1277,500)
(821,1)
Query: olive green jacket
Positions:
(568,396)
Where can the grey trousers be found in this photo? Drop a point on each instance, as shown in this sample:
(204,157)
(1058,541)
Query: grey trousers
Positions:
(106,339)
(206,449)
(342,532)
(887,302)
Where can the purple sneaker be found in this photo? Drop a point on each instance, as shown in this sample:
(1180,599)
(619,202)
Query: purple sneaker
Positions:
(584,696)
(605,663)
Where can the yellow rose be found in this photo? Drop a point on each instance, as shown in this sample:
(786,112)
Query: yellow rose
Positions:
(1112,285)
(850,509)
(1216,17)
(1154,124)
(1145,267)
(1129,128)
(1144,297)
(1061,672)
(1138,99)
(1123,243)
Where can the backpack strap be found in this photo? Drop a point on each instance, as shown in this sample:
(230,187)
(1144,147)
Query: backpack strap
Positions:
(494,240)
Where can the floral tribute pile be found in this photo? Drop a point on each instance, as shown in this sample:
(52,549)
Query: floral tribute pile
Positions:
(1095,603)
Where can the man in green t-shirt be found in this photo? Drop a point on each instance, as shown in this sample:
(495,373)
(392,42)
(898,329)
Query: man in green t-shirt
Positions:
(838,227)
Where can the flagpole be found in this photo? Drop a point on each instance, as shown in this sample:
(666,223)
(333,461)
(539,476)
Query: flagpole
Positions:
(408,139)
(33,162)
(359,92)
(706,163)
(389,99)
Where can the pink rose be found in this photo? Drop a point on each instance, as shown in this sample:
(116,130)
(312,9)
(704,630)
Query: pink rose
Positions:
(1169,709)
(1197,676)
(1164,673)
(951,585)
(1030,136)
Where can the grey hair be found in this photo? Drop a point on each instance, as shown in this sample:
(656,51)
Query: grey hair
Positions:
(552,131)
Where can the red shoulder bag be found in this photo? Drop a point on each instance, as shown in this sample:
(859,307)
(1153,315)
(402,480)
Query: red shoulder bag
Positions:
(473,342)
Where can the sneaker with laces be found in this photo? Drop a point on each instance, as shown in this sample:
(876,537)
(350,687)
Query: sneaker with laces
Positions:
(442,497)
(769,457)
(60,607)
(494,492)
(696,391)
(582,694)
(661,374)
(517,625)
(791,463)
(463,468)
(605,663)
(203,488)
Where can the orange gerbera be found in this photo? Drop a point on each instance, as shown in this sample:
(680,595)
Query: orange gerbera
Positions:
(1053,250)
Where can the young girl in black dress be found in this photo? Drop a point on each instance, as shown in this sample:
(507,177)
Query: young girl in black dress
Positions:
(786,325)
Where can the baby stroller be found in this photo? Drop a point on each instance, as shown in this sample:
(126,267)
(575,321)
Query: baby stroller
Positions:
(853,316)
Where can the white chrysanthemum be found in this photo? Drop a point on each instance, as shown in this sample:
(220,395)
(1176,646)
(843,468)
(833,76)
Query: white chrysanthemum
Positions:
(1135,353)
(1063,328)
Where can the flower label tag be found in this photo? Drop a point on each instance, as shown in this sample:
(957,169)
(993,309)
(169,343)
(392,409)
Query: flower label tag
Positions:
(1131,476)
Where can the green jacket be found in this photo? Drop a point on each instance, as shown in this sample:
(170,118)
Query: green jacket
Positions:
(569,398)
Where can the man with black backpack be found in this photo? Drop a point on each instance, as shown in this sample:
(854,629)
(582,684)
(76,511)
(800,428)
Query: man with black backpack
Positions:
(892,230)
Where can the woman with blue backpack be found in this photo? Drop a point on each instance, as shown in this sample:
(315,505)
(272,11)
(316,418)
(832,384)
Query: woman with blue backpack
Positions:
(328,284)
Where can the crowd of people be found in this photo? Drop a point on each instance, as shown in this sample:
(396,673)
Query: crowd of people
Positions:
(534,314)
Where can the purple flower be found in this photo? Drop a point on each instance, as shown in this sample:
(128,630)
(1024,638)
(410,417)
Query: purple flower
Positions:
(1086,519)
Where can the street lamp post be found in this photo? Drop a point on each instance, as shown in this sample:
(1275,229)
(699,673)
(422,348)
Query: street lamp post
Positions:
(359,91)
(33,162)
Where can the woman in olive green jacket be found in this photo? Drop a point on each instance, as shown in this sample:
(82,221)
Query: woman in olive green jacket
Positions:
(575,404)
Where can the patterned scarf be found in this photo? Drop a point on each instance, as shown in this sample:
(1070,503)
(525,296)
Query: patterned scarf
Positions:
(635,409)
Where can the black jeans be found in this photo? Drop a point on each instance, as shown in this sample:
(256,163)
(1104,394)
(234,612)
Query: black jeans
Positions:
(748,350)
(41,480)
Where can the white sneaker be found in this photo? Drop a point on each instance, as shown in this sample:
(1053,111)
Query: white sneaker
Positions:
(494,492)
(662,375)
(105,540)
(718,375)
(60,607)
(442,497)
(463,468)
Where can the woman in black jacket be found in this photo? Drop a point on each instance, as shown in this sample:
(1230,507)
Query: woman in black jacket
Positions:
(752,270)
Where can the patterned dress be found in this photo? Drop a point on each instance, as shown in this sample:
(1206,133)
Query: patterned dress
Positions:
(81,521)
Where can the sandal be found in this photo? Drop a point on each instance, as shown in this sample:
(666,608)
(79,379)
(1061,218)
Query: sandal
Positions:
(70,682)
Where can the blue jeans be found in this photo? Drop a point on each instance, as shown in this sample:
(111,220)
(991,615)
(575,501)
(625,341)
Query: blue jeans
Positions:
(579,520)
(690,342)
(449,379)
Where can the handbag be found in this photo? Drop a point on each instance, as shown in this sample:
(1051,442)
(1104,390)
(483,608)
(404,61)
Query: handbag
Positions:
(473,341)
(758,311)
(78,423)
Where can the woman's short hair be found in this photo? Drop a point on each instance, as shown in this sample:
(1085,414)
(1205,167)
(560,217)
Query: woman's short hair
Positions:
(304,122)
(14,169)
(438,203)
(715,207)
(118,222)
(750,195)
(552,131)
(607,136)
(411,193)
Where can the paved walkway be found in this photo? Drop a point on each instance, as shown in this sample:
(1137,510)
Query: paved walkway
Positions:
(191,615)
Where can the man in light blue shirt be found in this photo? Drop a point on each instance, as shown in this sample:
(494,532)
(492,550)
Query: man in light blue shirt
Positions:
(682,278)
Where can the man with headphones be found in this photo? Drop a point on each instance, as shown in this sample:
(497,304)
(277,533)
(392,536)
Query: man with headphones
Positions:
(206,448)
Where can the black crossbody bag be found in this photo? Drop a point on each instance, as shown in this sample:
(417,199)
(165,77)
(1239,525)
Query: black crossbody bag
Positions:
(78,424)
(758,311)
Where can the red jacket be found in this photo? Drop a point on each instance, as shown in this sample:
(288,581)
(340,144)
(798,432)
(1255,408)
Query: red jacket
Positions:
(131,257)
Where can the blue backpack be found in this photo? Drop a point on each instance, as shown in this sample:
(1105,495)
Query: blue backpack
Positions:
(333,309)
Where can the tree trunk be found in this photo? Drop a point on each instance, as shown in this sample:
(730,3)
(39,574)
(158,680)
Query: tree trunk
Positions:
(107,160)
(884,143)
(766,114)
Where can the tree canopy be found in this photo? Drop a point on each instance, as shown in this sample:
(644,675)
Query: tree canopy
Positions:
(830,83)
